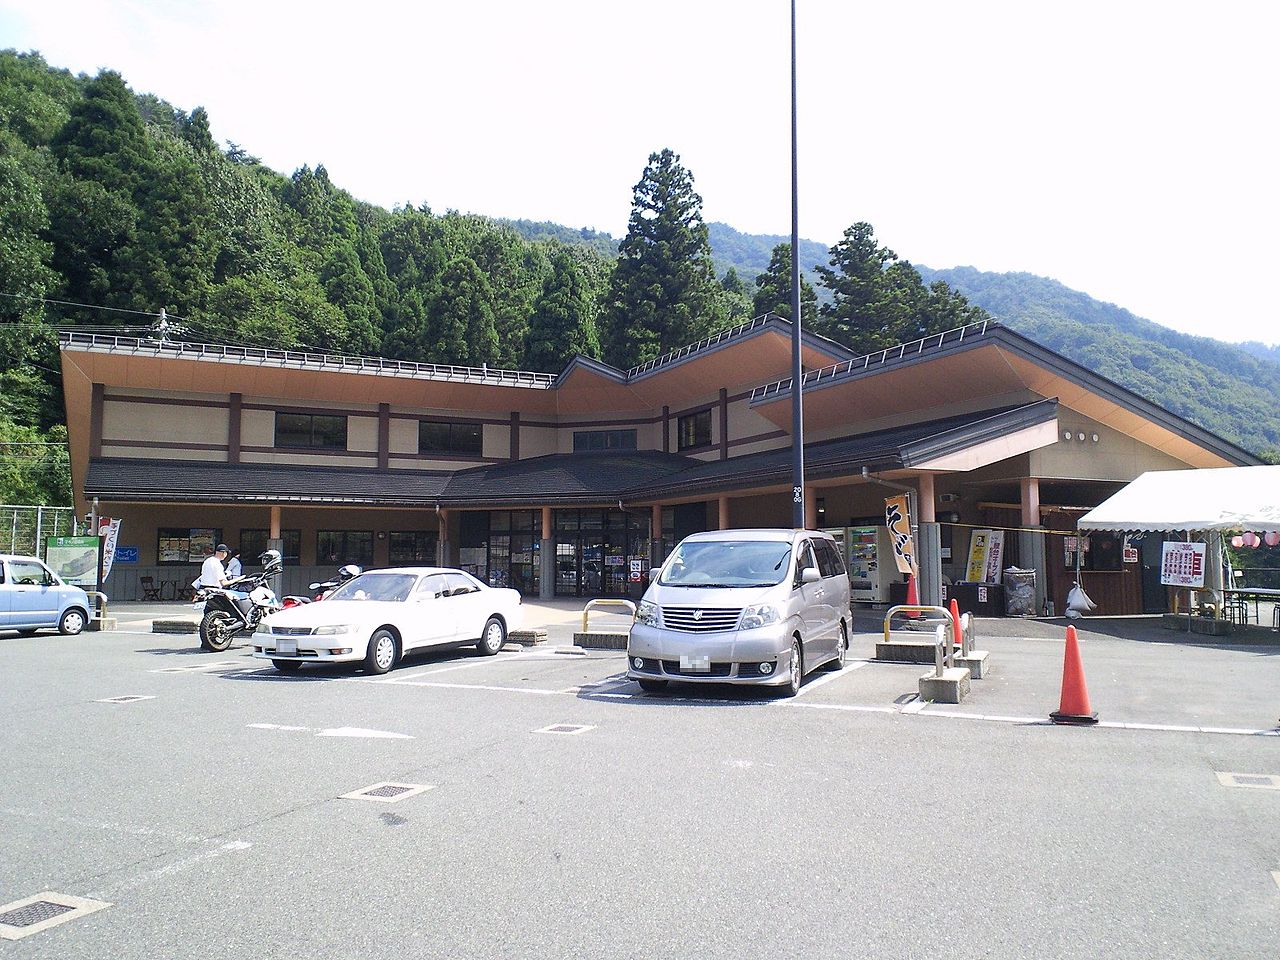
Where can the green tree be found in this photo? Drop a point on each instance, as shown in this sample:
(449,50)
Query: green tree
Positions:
(663,291)
(773,290)
(466,331)
(563,324)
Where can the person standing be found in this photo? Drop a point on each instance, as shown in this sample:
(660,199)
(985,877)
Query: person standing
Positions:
(212,572)
(234,569)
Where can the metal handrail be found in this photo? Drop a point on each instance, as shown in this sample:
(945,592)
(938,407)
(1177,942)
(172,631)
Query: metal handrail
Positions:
(225,353)
(99,612)
(606,602)
(860,364)
(915,608)
(682,352)
(943,639)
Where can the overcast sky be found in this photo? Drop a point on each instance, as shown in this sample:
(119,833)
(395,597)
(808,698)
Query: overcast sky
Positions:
(1127,149)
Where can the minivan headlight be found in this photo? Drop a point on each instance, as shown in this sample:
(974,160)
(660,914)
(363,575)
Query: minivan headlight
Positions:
(759,616)
(647,613)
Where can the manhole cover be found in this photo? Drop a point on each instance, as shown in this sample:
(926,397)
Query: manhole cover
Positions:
(129,698)
(22,918)
(1253,781)
(568,728)
(387,792)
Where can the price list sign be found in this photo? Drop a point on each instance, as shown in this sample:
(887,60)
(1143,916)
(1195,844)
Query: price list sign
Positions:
(1182,564)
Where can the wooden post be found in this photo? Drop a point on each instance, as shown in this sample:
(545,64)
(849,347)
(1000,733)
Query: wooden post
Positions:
(723,504)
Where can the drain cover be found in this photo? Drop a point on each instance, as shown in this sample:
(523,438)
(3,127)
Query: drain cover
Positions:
(387,792)
(128,698)
(22,918)
(569,728)
(1255,781)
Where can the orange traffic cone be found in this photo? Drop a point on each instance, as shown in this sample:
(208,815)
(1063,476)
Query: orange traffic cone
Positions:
(913,596)
(956,632)
(1074,706)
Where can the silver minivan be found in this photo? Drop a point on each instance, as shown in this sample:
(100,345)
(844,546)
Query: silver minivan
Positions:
(32,596)
(759,607)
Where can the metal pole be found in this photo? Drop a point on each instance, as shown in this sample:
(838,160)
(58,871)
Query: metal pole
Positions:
(797,372)
(39,530)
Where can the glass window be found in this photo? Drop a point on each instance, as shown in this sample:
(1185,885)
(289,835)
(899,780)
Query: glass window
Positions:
(253,543)
(829,561)
(433,585)
(312,430)
(460,583)
(728,563)
(411,547)
(434,437)
(694,430)
(603,440)
(344,546)
(1103,551)
(27,573)
(804,560)
(387,587)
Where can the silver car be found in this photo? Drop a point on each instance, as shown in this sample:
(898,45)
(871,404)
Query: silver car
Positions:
(33,596)
(759,607)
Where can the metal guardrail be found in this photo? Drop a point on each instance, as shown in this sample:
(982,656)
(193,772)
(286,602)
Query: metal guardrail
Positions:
(944,650)
(916,608)
(223,353)
(702,344)
(934,341)
(99,611)
(606,602)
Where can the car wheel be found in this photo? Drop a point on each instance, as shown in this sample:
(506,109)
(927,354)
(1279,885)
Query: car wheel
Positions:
(72,622)
(795,670)
(653,686)
(381,656)
(494,636)
(216,632)
(838,662)
(286,666)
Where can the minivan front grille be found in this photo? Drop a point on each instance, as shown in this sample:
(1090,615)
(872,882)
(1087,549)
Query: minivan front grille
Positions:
(701,619)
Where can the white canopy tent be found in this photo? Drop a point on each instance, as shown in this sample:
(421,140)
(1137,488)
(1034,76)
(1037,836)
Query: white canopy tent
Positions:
(1223,500)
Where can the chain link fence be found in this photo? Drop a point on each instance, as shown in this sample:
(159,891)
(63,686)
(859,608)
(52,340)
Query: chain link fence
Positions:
(24,529)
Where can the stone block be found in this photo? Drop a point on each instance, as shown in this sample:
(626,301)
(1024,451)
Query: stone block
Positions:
(102,623)
(977,663)
(175,626)
(951,687)
(594,640)
(906,651)
(527,638)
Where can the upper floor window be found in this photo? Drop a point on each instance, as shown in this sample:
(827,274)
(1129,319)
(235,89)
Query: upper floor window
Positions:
(319,430)
(436,437)
(603,440)
(694,430)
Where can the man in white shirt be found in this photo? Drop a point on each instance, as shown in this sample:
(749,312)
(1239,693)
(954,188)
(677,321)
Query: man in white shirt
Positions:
(212,573)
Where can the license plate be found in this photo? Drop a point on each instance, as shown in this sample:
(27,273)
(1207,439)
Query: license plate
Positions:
(287,646)
(695,664)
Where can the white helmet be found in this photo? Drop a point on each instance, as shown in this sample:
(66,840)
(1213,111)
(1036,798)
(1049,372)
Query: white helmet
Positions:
(271,558)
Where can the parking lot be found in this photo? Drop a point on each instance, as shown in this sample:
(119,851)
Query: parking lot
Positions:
(566,813)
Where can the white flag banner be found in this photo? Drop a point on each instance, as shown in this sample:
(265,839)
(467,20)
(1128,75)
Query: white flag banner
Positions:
(110,531)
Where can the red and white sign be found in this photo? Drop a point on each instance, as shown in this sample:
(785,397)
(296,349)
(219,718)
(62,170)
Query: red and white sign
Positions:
(1182,564)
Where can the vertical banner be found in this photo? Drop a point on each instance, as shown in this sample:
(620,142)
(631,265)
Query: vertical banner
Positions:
(979,543)
(109,530)
(897,518)
(995,557)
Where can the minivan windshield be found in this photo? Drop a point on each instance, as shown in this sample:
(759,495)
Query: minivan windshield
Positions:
(727,563)
(376,586)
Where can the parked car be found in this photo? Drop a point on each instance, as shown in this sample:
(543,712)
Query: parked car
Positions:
(382,615)
(33,597)
(759,607)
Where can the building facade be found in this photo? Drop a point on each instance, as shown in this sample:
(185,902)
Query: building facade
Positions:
(574,484)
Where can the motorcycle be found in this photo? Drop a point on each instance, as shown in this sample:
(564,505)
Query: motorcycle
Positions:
(240,605)
(325,587)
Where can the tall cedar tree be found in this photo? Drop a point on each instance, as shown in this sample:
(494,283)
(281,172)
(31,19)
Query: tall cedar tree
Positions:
(466,330)
(664,291)
(879,301)
(773,290)
(563,324)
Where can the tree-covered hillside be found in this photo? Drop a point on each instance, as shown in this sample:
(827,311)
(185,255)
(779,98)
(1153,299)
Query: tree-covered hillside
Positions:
(1221,387)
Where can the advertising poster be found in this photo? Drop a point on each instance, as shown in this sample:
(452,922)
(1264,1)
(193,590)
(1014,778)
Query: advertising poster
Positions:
(74,559)
(1182,564)
(201,545)
(986,556)
(898,520)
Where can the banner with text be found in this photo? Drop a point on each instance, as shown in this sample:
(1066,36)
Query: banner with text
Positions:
(897,517)
(1182,564)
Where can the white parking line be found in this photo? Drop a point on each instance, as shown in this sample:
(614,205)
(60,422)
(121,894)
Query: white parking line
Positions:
(480,662)
(470,686)
(812,685)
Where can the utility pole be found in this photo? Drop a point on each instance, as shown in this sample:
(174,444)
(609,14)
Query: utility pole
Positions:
(797,372)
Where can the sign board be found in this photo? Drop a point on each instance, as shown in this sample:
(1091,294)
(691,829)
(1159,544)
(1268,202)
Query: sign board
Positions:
(897,518)
(74,559)
(1182,564)
(127,554)
(986,556)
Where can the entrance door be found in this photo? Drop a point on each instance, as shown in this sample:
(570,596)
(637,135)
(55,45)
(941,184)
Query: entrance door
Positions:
(1154,595)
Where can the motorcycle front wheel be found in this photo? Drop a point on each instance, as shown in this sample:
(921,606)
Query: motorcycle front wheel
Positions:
(217,630)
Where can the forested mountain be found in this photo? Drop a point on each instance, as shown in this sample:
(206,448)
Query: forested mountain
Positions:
(1228,389)
(749,253)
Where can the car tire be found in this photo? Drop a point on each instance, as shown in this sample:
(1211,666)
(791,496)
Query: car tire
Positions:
(653,686)
(286,666)
(72,622)
(795,670)
(838,662)
(215,631)
(382,653)
(493,637)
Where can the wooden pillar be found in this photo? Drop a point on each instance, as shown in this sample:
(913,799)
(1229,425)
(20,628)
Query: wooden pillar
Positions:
(1030,501)
(442,544)
(234,418)
(724,424)
(547,558)
(275,522)
(96,402)
(384,436)
(515,437)
(810,509)
(926,499)
(666,429)
(546,523)
(723,504)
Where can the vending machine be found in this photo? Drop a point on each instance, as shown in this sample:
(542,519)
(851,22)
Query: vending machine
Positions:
(869,554)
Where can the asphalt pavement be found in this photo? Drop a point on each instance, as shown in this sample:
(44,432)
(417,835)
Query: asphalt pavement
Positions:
(853,821)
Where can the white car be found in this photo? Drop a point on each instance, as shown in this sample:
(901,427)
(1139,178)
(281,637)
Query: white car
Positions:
(382,615)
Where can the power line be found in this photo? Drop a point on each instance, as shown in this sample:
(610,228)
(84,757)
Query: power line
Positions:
(86,306)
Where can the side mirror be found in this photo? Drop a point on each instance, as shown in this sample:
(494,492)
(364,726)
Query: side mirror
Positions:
(653,573)
(810,575)
(314,586)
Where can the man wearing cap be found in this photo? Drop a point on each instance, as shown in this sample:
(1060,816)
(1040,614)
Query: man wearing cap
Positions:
(213,574)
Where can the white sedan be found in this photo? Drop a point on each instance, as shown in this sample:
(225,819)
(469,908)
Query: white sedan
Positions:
(382,615)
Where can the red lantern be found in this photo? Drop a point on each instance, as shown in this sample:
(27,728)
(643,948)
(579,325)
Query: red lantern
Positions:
(1272,538)
(1237,541)
(1250,539)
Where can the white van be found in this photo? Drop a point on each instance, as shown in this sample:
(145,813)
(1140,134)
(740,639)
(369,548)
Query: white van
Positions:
(760,607)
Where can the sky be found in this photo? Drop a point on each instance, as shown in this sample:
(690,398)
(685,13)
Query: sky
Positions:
(1127,149)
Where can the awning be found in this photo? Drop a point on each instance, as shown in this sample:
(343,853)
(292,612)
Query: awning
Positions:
(1232,498)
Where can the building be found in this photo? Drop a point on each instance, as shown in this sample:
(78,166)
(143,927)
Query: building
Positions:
(572,484)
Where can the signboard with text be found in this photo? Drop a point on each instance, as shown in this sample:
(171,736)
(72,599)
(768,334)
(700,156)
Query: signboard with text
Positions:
(1182,564)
